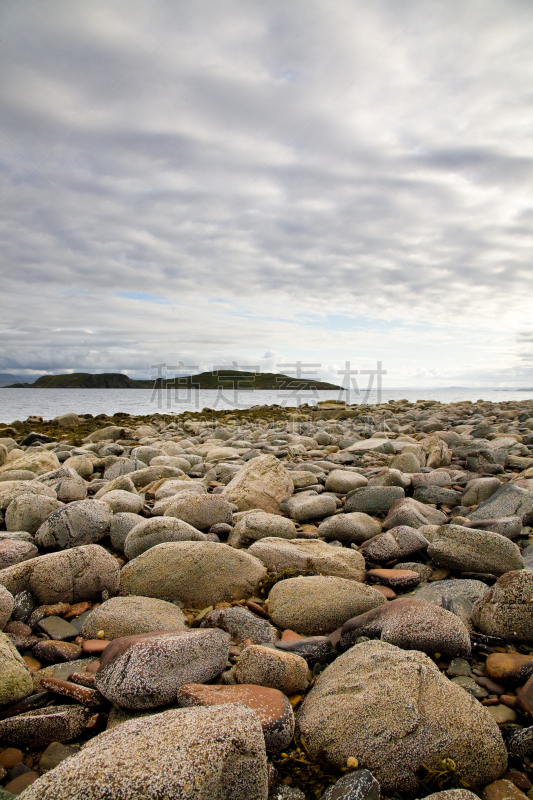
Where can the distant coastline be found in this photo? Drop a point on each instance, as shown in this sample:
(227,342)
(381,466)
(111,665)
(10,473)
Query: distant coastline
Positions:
(220,379)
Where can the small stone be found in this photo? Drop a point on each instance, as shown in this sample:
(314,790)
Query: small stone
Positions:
(315,649)
(502,790)
(395,578)
(58,628)
(458,666)
(18,785)
(265,666)
(512,667)
(55,753)
(502,714)
(10,756)
(470,685)
(359,785)
(94,646)
(84,695)
(52,651)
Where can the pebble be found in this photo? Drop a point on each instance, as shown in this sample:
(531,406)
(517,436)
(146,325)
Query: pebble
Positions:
(51,651)
(55,753)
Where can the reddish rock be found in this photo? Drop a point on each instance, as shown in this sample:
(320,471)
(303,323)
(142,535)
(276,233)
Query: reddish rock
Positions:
(524,698)
(32,664)
(17,785)
(386,591)
(89,697)
(10,756)
(54,652)
(77,609)
(518,778)
(18,629)
(502,790)
(94,646)
(290,636)
(511,667)
(394,578)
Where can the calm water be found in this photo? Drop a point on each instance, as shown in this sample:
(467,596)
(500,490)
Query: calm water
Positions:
(49,403)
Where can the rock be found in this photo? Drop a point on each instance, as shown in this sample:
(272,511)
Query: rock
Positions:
(437,495)
(262,483)
(423,570)
(55,753)
(69,420)
(11,489)
(14,551)
(15,679)
(259,525)
(201,511)
(303,478)
(57,628)
(509,667)
(38,463)
(108,434)
(373,500)
(462,593)
(343,481)
(395,578)
(81,464)
(27,512)
(393,711)
(53,651)
(7,604)
(521,743)
(412,625)
(190,753)
(281,793)
(150,532)
(123,482)
(170,488)
(200,574)
(266,666)
(120,501)
(271,706)
(80,573)
(79,523)
(16,786)
(347,528)
(121,524)
(502,790)
(506,609)
(127,616)
(511,527)
(396,543)
(309,555)
(406,462)
(359,785)
(502,714)
(371,446)
(479,490)
(468,550)
(452,794)
(508,501)
(146,670)
(241,625)
(315,649)
(436,451)
(43,726)
(305,507)
(319,604)
(413,514)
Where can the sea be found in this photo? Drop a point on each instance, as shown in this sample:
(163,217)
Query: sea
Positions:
(19,404)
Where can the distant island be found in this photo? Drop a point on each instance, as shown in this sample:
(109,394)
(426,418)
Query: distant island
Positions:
(219,379)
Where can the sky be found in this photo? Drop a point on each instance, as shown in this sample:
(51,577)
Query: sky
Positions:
(268,183)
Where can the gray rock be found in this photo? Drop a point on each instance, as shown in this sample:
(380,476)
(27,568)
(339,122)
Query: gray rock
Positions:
(80,573)
(374,688)
(43,726)
(120,501)
(121,524)
(319,604)
(359,785)
(190,753)
(479,490)
(423,570)
(200,574)
(309,555)
(438,495)
(470,550)
(511,527)
(11,489)
(146,670)
(200,511)
(241,625)
(7,603)
(406,462)
(27,512)
(462,593)
(412,513)
(343,481)
(506,609)
(79,523)
(150,532)
(55,753)
(14,551)
(347,528)
(259,525)
(262,483)
(508,501)
(266,666)
(127,616)
(373,500)
(304,507)
(396,543)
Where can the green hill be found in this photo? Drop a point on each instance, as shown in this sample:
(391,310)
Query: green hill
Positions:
(224,378)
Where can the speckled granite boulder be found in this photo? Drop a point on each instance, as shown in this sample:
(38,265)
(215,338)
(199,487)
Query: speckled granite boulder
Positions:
(260,525)
(15,679)
(506,609)
(79,523)
(149,532)
(27,512)
(309,555)
(146,671)
(43,726)
(469,550)
(186,753)
(266,666)
(393,711)
(202,511)
(7,603)
(128,616)
(241,625)
(262,483)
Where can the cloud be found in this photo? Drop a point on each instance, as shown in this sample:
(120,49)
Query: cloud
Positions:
(320,181)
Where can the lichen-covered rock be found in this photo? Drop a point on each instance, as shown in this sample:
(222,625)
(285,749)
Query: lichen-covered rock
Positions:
(79,573)
(120,501)
(373,500)
(412,625)
(15,679)
(7,603)
(469,550)
(150,532)
(127,616)
(146,670)
(393,711)
(266,666)
(121,524)
(506,608)
(79,523)
(508,501)
(262,483)
(200,574)
(201,511)
(27,512)
(408,511)
(309,555)
(260,525)
(186,753)
(14,551)
(305,507)
(241,625)
(11,489)
(319,604)
(396,543)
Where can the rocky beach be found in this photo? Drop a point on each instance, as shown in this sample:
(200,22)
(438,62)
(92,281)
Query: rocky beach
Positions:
(324,603)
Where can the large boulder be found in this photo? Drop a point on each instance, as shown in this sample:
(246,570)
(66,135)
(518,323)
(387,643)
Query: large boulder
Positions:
(409,511)
(15,679)
(262,483)
(394,544)
(7,603)
(11,489)
(108,434)
(354,527)
(506,609)
(309,555)
(146,670)
(304,507)
(70,576)
(199,574)
(266,666)
(128,616)
(79,523)
(469,550)
(319,604)
(508,501)
(213,753)
(260,525)
(460,594)
(27,512)
(393,711)
(14,551)
(202,511)
(39,462)
(150,532)
(373,500)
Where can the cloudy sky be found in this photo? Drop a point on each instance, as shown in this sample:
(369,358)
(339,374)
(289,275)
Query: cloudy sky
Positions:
(268,182)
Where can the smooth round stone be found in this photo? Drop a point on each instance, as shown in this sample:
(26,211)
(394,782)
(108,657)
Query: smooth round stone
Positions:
(395,578)
(128,616)
(470,686)
(10,756)
(267,666)
(55,753)
(512,667)
(52,651)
